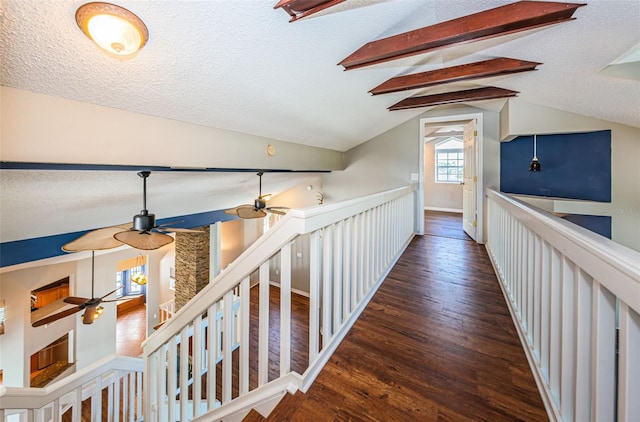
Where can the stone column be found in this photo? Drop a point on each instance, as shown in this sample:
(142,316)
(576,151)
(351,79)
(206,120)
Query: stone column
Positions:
(192,265)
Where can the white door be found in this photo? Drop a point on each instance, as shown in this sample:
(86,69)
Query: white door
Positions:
(469,207)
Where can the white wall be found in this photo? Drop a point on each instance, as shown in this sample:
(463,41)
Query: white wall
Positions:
(92,342)
(20,340)
(521,118)
(439,196)
(31,123)
(387,161)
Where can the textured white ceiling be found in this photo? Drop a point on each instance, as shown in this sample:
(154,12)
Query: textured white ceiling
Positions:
(240,65)
(47,202)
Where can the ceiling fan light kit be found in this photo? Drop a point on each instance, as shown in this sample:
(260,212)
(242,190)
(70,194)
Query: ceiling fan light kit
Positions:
(91,306)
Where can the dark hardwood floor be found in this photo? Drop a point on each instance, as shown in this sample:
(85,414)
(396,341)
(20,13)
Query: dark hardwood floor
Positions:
(436,343)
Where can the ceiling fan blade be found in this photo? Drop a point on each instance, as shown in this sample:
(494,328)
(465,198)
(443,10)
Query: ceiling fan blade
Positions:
(110,293)
(89,315)
(179,230)
(74,300)
(234,210)
(95,240)
(55,317)
(144,240)
(250,213)
(275,211)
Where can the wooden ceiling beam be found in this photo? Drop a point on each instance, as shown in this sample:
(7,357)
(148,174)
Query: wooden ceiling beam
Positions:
(484,69)
(299,9)
(503,20)
(469,95)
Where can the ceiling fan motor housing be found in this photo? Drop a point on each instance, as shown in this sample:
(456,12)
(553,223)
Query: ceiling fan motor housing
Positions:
(259,203)
(144,221)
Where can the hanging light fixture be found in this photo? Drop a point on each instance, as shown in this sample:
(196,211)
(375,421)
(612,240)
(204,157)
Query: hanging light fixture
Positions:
(112,28)
(535,164)
(139,277)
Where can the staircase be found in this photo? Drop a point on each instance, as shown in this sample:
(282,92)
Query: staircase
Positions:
(210,362)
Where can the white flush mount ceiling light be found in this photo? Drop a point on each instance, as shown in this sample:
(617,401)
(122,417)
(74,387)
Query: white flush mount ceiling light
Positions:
(112,27)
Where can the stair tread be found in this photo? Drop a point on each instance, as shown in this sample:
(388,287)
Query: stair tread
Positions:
(253,416)
(287,407)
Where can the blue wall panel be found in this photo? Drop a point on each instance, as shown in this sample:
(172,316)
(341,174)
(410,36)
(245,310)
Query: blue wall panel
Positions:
(600,224)
(574,166)
(27,250)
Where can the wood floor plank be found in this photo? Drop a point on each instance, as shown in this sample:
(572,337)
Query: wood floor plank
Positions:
(436,343)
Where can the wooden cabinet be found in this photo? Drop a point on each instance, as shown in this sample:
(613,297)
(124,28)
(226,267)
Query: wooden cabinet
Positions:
(45,297)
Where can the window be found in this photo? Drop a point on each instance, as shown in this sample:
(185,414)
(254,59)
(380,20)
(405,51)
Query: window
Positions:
(125,286)
(449,161)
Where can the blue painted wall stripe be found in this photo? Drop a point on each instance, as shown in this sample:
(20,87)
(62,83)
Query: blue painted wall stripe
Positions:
(27,250)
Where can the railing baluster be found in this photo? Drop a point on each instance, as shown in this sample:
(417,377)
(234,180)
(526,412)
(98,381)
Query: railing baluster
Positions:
(183,370)
(263,326)
(227,348)
(347,254)
(171,379)
(245,304)
(196,364)
(314,295)
(537,295)
(212,354)
(545,309)
(567,375)
(583,341)
(629,365)
(555,325)
(603,356)
(327,255)
(359,236)
(162,395)
(353,276)
(337,277)
(285,309)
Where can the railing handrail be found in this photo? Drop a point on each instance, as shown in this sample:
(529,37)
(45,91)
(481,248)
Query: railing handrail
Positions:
(35,398)
(588,248)
(296,222)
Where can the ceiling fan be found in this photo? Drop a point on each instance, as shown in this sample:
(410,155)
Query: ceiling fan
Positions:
(91,307)
(259,208)
(143,234)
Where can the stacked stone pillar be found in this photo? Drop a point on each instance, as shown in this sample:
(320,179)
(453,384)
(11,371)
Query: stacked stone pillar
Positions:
(192,265)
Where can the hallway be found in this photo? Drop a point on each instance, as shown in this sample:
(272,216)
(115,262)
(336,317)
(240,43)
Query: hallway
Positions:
(435,343)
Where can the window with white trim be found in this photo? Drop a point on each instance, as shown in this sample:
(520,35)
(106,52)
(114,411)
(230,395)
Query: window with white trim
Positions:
(449,158)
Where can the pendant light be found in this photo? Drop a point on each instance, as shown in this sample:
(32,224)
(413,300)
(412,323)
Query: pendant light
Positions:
(139,277)
(535,164)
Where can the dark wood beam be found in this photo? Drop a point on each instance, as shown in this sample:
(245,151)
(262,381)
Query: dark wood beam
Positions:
(299,9)
(511,18)
(477,94)
(477,70)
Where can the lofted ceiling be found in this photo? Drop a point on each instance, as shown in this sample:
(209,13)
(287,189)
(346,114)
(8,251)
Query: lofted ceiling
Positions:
(241,65)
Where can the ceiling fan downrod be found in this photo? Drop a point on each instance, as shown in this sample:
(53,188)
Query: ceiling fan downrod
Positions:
(144,221)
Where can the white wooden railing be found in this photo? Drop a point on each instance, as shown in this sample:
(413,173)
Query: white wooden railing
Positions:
(121,376)
(166,310)
(353,245)
(575,299)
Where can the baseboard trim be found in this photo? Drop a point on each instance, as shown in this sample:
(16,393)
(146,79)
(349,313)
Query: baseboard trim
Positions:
(458,211)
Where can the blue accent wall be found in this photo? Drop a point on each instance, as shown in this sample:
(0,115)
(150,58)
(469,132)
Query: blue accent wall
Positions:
(574,166)
(600,224)
(27,250)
